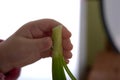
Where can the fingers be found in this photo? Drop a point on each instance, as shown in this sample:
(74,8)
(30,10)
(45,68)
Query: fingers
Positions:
(43,44)
(67,61)
(65,33)
(45,25)
(41,27)
(45,54)
(67,54)
(67,45)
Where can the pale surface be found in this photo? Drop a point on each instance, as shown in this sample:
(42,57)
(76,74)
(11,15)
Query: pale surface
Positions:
(112,17)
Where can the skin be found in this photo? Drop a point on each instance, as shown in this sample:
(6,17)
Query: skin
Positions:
(31,43)
(106,66)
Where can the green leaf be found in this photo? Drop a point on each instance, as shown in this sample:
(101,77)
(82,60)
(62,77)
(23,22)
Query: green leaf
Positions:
(58,62)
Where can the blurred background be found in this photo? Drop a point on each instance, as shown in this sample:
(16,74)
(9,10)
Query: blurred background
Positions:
(96,37)
(91,47)
(102,58)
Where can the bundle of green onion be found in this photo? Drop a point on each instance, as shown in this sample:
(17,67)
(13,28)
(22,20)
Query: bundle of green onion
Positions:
(58,63)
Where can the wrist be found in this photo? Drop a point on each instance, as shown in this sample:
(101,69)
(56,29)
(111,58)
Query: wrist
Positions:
(4,68)
(13,74)
(4,65)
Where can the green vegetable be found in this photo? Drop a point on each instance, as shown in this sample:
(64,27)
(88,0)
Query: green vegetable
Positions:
(58,63)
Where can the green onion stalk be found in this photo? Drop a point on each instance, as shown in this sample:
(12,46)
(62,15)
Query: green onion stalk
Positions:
(59,65)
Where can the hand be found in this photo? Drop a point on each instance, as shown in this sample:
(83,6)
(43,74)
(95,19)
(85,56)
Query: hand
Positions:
(31,43)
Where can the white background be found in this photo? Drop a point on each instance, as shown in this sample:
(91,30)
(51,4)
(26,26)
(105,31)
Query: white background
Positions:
(15,13)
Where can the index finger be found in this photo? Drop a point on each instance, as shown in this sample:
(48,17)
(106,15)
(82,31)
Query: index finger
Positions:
(46,25)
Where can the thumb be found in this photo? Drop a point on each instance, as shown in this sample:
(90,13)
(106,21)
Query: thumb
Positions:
(43,44)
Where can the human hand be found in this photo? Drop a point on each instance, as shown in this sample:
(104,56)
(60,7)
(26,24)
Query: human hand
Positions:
(31,43)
